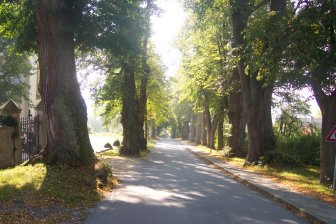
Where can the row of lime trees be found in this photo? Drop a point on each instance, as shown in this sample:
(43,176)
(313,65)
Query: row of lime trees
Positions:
(239,60)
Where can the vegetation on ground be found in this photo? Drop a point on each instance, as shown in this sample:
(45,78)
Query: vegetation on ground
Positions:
(302,178)
(116,152)
(49,194)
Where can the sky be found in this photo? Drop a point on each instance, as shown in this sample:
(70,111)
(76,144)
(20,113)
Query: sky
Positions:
(165,29)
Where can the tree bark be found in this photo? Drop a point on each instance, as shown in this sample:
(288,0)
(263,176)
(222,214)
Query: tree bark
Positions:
(220,134)
(211,125)
(192,134)
(146,130)
(237,119)
(185,130)
(204,130)
(153,129)
(199,129)
(208,125)
(257,98)
(129,112)
(327,104)
(67,135)
(144,82)
(220,123)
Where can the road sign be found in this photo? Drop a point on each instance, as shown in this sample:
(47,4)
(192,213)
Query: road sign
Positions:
(332,135)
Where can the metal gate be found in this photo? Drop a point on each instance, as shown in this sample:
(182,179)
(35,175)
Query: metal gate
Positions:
(29,136)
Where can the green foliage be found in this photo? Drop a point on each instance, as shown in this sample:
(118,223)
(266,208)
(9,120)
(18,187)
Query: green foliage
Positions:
(291,107)
(313,39)
(116,26)
(304,148)
(158,92)
(278,158)
(17,21)
(265,45)
(205,74)
(107,90)
(9,121)
(103,172)
(14,69)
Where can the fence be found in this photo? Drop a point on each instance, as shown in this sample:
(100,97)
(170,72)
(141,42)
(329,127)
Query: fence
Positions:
(29,136)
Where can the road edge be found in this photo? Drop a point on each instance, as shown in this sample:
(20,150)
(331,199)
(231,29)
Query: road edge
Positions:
(270,195)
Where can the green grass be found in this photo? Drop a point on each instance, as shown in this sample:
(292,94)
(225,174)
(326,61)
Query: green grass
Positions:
(43,186)
(109,153)
(305,179)
(116,152)
(67,186)
(13,180)
(150,144)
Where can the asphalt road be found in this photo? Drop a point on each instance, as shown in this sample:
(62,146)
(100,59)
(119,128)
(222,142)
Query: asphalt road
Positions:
(172,186)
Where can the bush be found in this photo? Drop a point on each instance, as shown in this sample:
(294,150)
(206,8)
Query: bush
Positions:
(108,146)
(103,172)
(305,149)
(277,158)
(116,143)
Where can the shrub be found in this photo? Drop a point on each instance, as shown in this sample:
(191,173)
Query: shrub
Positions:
(278,158)
(305,149)
(116,143)
(108,146)
(103,172)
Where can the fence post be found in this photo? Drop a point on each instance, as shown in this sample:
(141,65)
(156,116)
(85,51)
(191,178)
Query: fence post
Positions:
(11,108)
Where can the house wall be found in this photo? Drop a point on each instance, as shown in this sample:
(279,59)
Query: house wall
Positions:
(7,158)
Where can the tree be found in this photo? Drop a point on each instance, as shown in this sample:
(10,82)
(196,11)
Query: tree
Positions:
(49,27)
(312,56)
(291,107)
(14,69)
(109,93)
(209,66)
(257,90)
(67,134)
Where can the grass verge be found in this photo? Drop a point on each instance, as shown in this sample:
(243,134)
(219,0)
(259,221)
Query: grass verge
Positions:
(116,152)
(304,179)
(47,194)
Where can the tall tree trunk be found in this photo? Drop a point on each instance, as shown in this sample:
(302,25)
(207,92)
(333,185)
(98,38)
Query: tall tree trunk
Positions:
(204,130)
(237,120)
(129,112)
(257,98)
(185,130)
(153,129)
(220,123)
(180,129)
(220,134)
(208,125)
(67,134)
(146,130)
(199,128)
(327,106)
(214,125)
(144,82)
(211,125)
(192,134)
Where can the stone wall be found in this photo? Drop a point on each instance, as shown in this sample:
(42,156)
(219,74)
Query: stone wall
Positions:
(7,158)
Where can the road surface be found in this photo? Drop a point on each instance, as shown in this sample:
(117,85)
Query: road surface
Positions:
(172,186)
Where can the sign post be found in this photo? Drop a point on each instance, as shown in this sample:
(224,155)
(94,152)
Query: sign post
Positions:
(332,138)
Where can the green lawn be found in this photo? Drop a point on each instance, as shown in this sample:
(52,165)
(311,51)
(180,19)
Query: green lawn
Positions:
(56,189)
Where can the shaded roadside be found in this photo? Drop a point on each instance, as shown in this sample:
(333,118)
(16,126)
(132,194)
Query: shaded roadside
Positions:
(314,210)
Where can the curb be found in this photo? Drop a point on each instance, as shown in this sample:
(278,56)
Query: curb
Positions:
(289,206)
